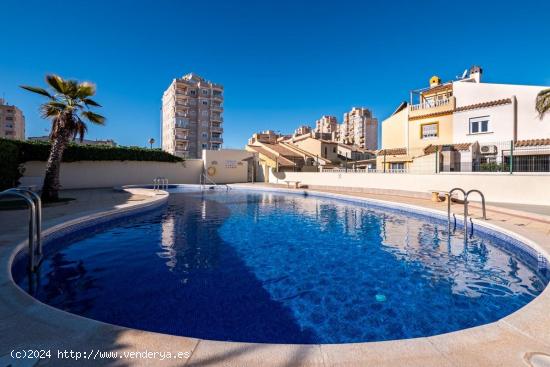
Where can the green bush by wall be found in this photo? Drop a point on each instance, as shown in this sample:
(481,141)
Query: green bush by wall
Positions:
(13,153)
(10,171)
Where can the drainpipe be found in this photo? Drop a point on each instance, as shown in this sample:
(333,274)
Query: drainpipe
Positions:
(515,117)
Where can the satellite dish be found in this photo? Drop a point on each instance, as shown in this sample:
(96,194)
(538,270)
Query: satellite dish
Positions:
(464,73)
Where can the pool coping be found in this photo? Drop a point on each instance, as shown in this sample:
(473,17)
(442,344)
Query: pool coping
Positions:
(510,338)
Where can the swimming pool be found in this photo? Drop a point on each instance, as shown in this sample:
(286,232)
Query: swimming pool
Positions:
(279,268)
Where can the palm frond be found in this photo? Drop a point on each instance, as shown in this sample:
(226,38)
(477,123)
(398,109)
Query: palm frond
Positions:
(85,89)
(37,90)
(542,103)
(94,117)
(90,102)
(56,82)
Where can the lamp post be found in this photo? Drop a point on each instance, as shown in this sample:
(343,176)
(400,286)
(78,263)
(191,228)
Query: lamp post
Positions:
(151,142)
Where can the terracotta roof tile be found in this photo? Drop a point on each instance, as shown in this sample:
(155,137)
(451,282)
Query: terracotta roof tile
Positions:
(497,102)
(460,147)
(393,151)
(531,143)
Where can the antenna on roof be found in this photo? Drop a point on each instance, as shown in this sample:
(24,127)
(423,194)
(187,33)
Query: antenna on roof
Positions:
(464,74)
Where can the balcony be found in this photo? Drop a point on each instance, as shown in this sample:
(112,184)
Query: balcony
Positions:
(216,129)
(218,107)
(182,137)
(427,108)
(216,139)
(217,96)
(216,117)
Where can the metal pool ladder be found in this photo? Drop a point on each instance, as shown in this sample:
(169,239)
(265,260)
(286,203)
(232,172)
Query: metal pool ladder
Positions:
(448,197)
(160,183)
(204,177)
(34,204)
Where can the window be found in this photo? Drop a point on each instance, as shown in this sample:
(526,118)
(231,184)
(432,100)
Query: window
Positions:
(428,131)
(205,103)
(205,135)
(397,166)
(204,146)
(205,92)
(334,150)
(204,113)
(193,92)
(479,125)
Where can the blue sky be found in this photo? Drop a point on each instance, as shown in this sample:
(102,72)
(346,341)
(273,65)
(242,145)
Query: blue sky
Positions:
(283,63)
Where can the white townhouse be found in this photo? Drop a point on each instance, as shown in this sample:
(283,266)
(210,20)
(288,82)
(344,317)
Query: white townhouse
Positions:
(500,117)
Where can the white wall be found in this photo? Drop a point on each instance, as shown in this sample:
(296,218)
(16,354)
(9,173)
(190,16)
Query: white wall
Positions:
(516,188)
(93,174)
(228,165)
(529,124)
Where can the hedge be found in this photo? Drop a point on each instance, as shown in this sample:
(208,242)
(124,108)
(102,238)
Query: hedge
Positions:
(14,152)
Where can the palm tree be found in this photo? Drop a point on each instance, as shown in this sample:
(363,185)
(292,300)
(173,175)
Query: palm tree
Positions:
(543,102)
(151,142)
(67,107)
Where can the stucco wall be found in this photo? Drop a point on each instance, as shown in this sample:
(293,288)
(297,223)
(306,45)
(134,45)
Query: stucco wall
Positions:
(93,174)
(228,165)
(394,130)
(529,124)
(526,189)
(445,132)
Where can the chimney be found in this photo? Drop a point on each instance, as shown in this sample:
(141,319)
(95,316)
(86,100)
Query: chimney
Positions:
(475,73)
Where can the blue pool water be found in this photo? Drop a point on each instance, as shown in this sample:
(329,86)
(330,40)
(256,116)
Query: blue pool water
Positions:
(265,267)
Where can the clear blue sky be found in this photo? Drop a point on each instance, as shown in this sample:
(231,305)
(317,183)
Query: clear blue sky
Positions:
(282,63)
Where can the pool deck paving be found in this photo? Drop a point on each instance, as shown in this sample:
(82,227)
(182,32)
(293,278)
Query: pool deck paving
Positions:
(520,339)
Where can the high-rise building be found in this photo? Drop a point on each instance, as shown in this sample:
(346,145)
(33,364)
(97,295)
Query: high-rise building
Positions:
(192,119)
(326,125)
(12,122)
(359,128)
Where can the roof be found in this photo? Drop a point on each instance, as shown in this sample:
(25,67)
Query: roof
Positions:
(282,161)
(531,143)
(460,147)
(399,108)
(497,102)
(393,151)
(438,88)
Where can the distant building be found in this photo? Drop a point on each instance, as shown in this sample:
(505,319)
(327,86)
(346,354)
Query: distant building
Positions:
(107,143)
(267,137)
(302,130)
(359,128)
(192,119)
(327,125)
(12,122)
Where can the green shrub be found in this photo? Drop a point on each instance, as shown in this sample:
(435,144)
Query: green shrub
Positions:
(10,167)
(14,152)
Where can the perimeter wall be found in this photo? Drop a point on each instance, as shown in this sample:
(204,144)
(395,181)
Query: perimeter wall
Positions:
(506,188)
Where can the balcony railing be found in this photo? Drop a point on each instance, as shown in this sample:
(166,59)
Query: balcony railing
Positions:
(216,139)
(182,137)
(438,106)
(217,96)
(218,129)
(431,104)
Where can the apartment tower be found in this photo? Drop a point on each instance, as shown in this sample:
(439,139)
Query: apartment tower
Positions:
(192,119)
(12,122)
(359,128)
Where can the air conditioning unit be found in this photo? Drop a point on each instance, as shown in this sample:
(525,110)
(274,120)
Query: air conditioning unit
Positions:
(488,149)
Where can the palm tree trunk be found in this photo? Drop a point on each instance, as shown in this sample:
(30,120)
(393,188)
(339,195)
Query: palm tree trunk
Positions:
(50,188)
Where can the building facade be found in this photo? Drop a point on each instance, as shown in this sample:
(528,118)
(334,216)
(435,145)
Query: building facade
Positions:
(327,125)
(192,109)
(12,122)
(496,121)
(359,128)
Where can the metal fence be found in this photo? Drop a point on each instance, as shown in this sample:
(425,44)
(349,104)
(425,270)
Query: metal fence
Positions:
(500,157)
